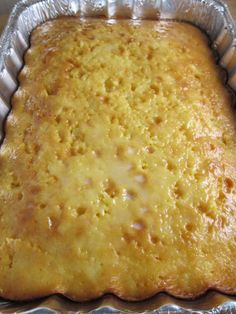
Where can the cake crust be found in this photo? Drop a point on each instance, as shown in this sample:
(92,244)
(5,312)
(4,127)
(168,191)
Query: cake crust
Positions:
(118,169)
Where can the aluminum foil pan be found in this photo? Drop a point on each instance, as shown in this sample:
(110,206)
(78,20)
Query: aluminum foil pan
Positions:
(211,16)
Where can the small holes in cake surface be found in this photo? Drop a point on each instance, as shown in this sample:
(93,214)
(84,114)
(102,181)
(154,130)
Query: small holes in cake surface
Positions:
(81,150)
(133,87)
(138,225)
(149,149)
(155,88)
(121,50)
(109,85)
(104,99)
(197,175)
(154,239)
(111,188)
(20,196)
(35,189)
(212,147)
(210,228)
(144,165)
(120,151)
(189,227)
(207,209)
(15,184)
(178,190)
(96,153)
(58,119)
(73,151)
(221,196)
(153,129)
(222,221)
(150,55)
(171,165)
(81,211)
(107,211)
(203,207)
(158,120)
(185,235)
(62,136)
(197,76)
(129,195)
(157,258)
(229,184)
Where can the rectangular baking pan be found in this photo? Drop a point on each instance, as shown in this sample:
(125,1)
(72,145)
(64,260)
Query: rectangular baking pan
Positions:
(213,17)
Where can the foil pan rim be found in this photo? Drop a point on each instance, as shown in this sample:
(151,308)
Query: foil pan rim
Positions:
(112,304)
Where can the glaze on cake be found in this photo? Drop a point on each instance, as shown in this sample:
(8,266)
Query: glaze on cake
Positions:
(118,169)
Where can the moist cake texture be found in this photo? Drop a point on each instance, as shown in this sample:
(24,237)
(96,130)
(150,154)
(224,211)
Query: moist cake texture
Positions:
(118,169)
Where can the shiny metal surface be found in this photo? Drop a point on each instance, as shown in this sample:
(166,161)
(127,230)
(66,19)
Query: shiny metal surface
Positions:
(210,15)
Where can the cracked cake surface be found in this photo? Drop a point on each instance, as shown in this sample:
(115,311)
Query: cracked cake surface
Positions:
(118,167)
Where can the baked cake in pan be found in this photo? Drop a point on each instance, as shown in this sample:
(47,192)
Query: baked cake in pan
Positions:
(118,169)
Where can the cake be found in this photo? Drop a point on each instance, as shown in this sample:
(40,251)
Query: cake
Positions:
(118,167)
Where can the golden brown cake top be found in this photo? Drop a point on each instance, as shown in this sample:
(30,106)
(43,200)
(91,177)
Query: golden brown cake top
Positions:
(117,173)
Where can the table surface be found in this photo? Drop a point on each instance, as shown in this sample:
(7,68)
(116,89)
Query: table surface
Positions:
(231,4)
